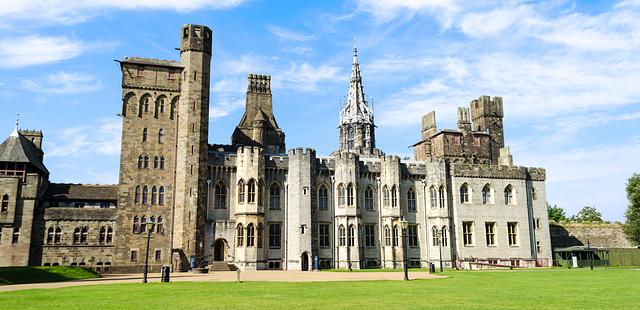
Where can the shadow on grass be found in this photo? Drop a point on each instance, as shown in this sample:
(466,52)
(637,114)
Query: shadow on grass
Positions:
(23,275)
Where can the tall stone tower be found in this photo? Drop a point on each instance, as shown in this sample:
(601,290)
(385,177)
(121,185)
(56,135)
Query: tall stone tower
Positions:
(163,159)
(357,128)
(192,144)
(487,115)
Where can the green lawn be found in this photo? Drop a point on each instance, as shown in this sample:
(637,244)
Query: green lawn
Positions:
(532,289)
(19,275)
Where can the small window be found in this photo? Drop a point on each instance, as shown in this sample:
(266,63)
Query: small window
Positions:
(161,196)
(486,194)
(161,136)
(156,162)
(145,134)
(368,199)
(161,162)
(160,226)
(467,233)
(146,162)
(154,195)
(136,198)
(274,197)
(464,193)
(411,200)
(323,198)
(5,204)
(158,255)
(134,256)
(508,195)
(145,195)
(260,235)
(435,236)
(512,230)
(136,225)
(274,236)
(490,233)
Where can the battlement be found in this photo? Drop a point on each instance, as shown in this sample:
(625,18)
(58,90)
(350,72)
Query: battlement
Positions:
(346,155)
(249,150)
(301,151)
(196,38)
(497,172)
(390,158)
(259,83)
(486,106)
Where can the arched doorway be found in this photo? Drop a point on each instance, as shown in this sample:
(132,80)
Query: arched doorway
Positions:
(219,250)
(304,261)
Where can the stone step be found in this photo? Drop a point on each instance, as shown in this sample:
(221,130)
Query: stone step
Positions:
(222,266)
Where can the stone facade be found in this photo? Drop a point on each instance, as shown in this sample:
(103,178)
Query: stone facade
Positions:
(601,235)
(255,205)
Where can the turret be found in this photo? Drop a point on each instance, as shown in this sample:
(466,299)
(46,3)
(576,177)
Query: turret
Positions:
(487,116)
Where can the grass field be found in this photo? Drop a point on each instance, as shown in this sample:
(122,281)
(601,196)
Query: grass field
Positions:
(20,275)
(530,289)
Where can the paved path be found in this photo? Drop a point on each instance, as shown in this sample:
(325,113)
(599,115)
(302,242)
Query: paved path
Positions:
(227,276)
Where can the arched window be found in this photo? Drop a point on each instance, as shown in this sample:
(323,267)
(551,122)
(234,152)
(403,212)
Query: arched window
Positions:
(368,198)
(146,104)
(323,198)
(220,194)
(153,226)
(145,134)
(161,136)
(352,235)
(241,191)
(274,197)
(385,196)
(57,238)
(161,104)
(350,194)
(411,199)
(160,226)
(433,194)
(145,195)
(136,225)
(161,196)
(102,239)
(240,235)
(109,235)
(156,162)
(76,235)
(140,161)
(441,194)
(85,234)
(394,197)
(486,194)
(154,195)
(342,240)
(50,235)
(146,161)
(250,235)
(464,193)
(136,198)
(143,224)
(508,195)
(251,191)
(444,235)
(260,234)
(5,203)
(387,235)
(434,236)
(341,195)
(162,162)
(396,235)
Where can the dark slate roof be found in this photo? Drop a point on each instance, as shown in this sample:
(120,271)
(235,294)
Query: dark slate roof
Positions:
(18,149)
(152,62)
(62,191)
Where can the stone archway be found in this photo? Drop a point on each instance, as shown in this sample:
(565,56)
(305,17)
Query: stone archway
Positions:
(220,250)
(305,261)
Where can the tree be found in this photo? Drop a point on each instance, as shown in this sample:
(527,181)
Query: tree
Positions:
(587,214)
(632,226)
(556,213)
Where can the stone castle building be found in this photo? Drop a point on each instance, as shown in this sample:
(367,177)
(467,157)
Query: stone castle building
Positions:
(254,204)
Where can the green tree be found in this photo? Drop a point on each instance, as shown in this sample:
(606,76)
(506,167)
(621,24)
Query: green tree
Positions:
(556,213)
(632,226)
(587,214)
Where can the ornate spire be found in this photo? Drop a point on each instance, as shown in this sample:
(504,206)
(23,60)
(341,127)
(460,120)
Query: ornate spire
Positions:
(15,130)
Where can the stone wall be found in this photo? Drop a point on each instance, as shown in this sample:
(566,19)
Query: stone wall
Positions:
(606,235)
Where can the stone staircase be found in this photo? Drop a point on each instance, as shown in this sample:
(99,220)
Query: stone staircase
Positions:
(222,266)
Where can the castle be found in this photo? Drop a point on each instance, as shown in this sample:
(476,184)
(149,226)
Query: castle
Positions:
(253,204)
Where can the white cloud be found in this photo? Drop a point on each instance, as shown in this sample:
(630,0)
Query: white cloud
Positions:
(228,96)
(290,35)
(102,138)
(386,10)
(491,23)
(67,12)
(35,50)
(63,83)
(305,77)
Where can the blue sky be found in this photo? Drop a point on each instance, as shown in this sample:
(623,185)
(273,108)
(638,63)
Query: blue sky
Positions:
(568,72)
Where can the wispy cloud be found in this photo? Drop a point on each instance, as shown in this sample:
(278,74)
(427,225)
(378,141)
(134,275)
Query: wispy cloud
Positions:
(63,83)
(102,138)
(35,50)
(290,35)
(386,10)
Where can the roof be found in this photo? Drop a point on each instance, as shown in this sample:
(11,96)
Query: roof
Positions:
(64,191)
(18,149)
(152,62)
(579,248)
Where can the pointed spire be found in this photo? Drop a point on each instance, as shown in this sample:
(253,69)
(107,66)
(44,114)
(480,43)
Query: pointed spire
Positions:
(15,130)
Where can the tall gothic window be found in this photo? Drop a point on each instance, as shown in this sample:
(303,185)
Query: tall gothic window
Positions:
(341,195)
(394,197)
(441,194)
(274,197)
(156,162)
(508,195)
(145,134)
(241,191)
(240,235)
(102,238)
(145,195)
(109,235)
(387,235)
(396,235)
(385,196)
(434,235)
(260,235)
(350,194)
(5,203)
(342,239)
(220,194)
(50,235)
(136,225)
(161,196)
(136,198)
(146,161)
(250,235)
(323,198)
(352,235)
(464,193)
(76,235)
(444,235)
(486,194)
(433,194)
(57,238)
(84,235)
(161,136)
(162,162)
(411,199)
(140,161)
(368,198)
(251,191)
(154,195)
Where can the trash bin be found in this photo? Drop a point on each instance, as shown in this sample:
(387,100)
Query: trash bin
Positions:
(166,271)
(432,268)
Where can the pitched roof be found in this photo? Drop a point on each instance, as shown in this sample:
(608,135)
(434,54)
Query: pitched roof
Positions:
(64,191)
(18,149)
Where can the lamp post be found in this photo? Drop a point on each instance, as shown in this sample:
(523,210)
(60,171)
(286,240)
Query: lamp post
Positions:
(405,224)
(440,248)
(146,260)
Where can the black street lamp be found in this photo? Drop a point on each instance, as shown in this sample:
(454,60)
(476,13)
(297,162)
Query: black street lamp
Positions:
(146,260)
(405,224)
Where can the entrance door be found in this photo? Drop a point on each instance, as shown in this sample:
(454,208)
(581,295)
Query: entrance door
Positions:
(219,249)
(305,261)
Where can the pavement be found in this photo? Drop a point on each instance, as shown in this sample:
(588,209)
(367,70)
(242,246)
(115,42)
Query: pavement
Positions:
(230,276)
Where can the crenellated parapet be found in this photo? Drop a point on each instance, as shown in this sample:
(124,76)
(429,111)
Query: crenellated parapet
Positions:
(497,172)
(259,83)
